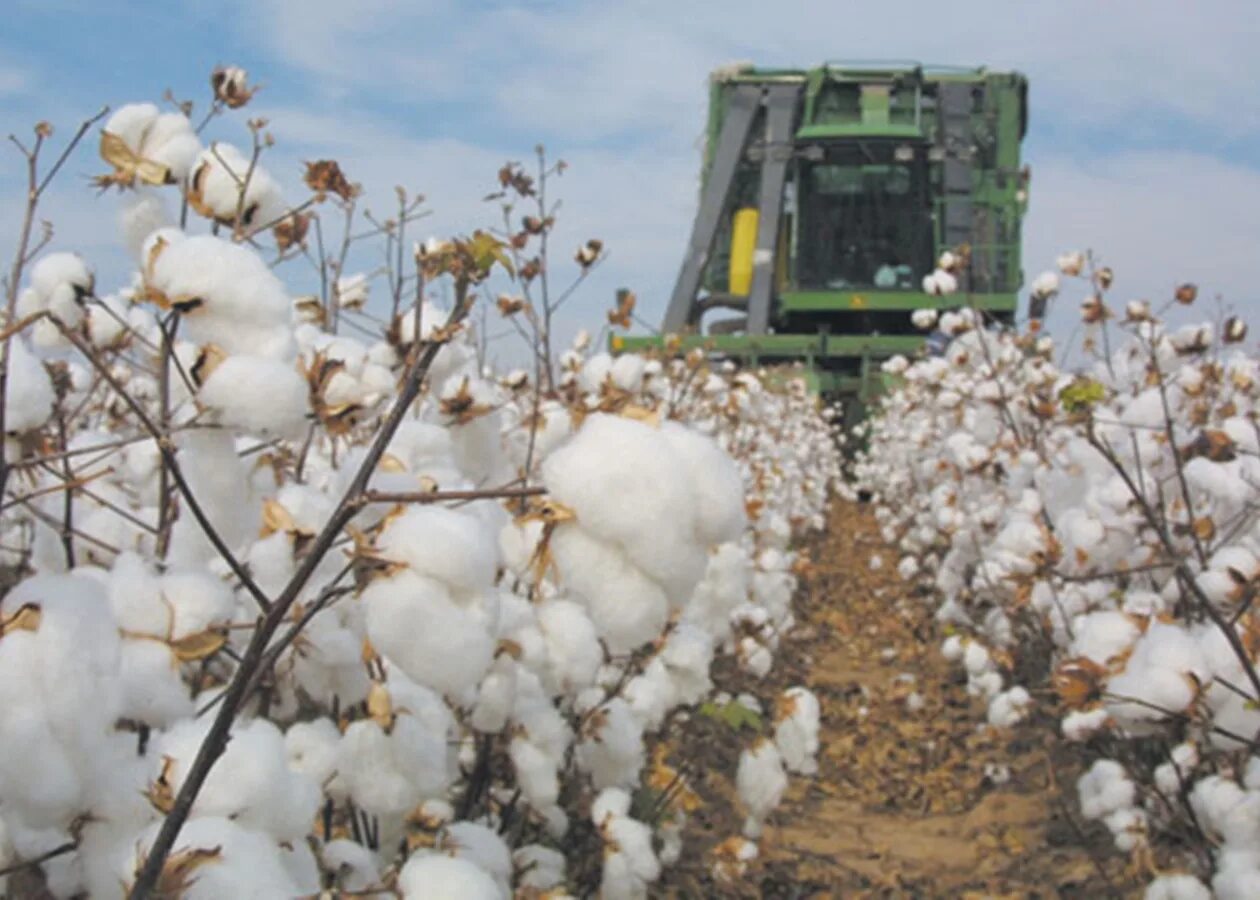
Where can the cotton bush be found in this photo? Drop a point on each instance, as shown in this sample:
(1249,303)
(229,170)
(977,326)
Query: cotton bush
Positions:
(480,637)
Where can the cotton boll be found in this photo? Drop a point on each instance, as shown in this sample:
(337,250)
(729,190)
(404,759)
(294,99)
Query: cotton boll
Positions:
(796,730)
(1170,776)
(355,867)
(628,608)
(243,308)
(652,694)
(715,481)
(28,394)
(495,696)
(627,372)
(760,782)
(311,750)
(539,867)
(1100,636)
(250,784)
(445,544)
(618,474)
(389,774)
(535,773)
(247,864)
(1009,708)
(612,747)
(260,396)
(1104,789)
(413,621)
(573,651)
(481,846)
(630,863)
(60,695)
(687,656)
(219,173)
(435,876)
(1081,725)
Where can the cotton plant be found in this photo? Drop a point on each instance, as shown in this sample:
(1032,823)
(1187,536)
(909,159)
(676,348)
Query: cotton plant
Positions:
(475,631)
(1107,513)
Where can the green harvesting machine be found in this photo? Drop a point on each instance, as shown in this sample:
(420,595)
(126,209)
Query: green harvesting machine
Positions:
(828,194)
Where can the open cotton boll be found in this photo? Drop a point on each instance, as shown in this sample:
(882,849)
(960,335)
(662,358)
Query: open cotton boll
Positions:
(479,845)
(241,300)
(573,651)
(535,772)
(1163,673)
(311,750)
(796,730)
(495,696)
(652,695)
(539,867)
(611,750)
(389,774)
(247,864)
(1100,636)
(436,876)
(1104,789)
(628,608)
(251,783)
(218,175)
(723,587)
(1081,725)
(413,622)
(258,396)
(626,372)
(355,867)
(595,371)
(618,475)
(445,544)
(715,482)
(28,392)
(60,695)
(630,863)
(1009,707)
(687,656)
(760,782)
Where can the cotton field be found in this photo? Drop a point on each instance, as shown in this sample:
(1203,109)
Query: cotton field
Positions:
(303,595)
(305,602)
(1095,532)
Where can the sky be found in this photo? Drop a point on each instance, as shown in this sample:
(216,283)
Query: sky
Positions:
(1144,136)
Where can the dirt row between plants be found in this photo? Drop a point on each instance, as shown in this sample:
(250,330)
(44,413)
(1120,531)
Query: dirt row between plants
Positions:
(913,797)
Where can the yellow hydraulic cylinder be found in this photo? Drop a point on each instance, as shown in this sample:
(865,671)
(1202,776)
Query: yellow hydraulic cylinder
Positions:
(743,242)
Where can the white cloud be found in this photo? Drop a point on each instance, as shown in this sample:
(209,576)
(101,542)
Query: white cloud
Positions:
(13,80)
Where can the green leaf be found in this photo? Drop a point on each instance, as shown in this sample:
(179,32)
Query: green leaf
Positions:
(733,715)
(1082,395)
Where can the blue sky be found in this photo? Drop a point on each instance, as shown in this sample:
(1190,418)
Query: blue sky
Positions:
(1144,125)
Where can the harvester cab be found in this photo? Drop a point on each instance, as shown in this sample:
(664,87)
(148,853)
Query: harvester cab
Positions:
(827,196)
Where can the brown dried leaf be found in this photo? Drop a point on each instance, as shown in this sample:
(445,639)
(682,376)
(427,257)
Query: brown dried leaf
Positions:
(26,618)
(198,646)
(179,872)
(380,707)
(161,792)
(129,167)
(324,176)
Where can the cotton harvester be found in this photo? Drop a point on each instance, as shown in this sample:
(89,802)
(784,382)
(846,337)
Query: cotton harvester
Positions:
(828,194)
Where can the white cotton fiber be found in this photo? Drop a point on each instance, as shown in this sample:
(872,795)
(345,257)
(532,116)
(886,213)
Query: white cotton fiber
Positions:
(444,544)
(413,621)
(258,396)
(435,876)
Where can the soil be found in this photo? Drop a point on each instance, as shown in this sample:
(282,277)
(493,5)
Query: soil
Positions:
(906,803)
